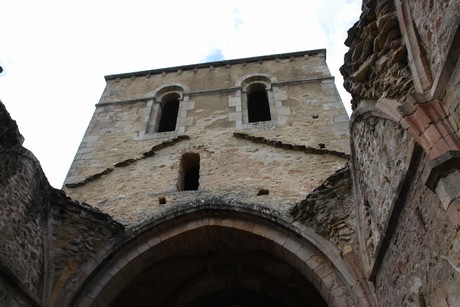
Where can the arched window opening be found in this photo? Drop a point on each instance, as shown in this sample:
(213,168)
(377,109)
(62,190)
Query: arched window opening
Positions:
(169,109)
(189,172)
(258,105)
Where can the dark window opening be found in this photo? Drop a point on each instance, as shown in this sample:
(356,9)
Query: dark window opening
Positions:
(258,106)
(189,172)
(170,109)
(191,179)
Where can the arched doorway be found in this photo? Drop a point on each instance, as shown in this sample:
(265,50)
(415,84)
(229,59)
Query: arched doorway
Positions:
(218,266)
(203,257)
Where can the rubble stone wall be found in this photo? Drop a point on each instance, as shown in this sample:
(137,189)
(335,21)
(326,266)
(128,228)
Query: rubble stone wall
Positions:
(22,218)
(376,65)
(45,236)
(417,268)
(395,143)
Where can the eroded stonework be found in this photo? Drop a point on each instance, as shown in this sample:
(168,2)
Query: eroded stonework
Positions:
(45,236)
(22,217)
(376,63)
(405,148)
(329,210)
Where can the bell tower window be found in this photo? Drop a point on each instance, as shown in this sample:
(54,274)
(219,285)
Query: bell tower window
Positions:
(169,110)
(258,104)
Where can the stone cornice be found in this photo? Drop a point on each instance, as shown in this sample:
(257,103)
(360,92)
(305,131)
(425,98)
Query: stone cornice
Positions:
(218,64)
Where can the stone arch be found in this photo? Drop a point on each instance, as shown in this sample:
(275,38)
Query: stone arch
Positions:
(159,100)
(299,247)
(246,80)
(168,87)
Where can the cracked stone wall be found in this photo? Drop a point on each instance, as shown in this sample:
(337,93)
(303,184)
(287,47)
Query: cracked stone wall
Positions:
(50,242)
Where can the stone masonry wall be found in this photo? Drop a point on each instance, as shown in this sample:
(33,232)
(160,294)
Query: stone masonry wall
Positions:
(419,266)
(379,147)
(22,221)
(10,296)
(22,218)
(78,233)
(409,246)
(229,165)
(45,236)
(406,51)
(434,22)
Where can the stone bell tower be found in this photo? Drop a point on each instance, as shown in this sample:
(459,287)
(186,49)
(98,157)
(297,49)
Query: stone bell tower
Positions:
(271,125)
(205,165)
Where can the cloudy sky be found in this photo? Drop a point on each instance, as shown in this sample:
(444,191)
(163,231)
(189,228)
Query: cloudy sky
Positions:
(55,53)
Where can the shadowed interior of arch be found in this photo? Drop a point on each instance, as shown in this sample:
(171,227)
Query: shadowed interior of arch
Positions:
(218,266)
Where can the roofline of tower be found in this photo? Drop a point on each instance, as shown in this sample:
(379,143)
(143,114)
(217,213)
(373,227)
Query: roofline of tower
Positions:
(216,64)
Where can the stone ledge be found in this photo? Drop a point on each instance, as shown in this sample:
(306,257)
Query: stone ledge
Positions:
(127,162)
(442,176)
(441,167)
(280,144)
(149,73)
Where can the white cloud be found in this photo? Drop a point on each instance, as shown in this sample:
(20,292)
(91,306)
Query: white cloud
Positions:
(55,53)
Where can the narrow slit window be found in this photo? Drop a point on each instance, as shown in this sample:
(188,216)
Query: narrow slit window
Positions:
(189,172)
(169,111)
(258,105)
